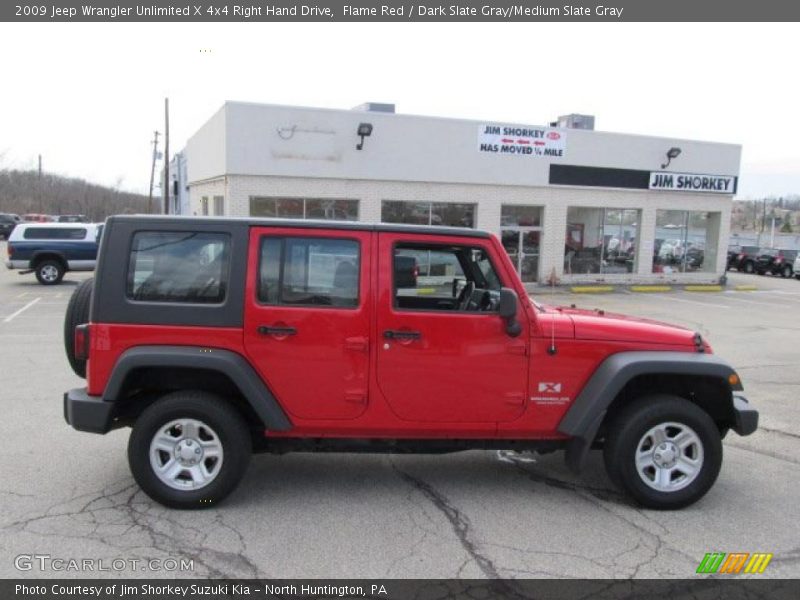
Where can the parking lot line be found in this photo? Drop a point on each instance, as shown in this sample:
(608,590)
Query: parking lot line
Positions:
(776,304)
(21,310)
(676,299)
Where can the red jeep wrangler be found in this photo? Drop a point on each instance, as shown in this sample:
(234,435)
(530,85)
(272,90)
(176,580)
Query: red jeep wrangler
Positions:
(214,338)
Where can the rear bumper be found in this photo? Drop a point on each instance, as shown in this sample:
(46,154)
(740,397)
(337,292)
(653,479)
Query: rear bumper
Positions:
(745,418)
(87,413)
(16,264)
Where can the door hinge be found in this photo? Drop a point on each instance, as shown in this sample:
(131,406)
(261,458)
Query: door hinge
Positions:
(515,398)
(356,396)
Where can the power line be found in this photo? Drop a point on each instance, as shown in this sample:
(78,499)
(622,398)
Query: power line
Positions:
(153,171)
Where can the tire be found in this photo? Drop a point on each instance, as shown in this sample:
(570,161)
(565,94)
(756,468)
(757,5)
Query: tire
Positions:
(77,314)
(787,272)
(749,267)
(670,485)
(212,423)
(50,271)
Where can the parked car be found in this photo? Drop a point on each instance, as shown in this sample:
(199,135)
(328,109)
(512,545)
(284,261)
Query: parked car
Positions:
(796,267)
(37,218)
(214,338)
(7,223)
(72,219)
(775,262)
(52,249)
(745,260)
(733,252)
(695,255)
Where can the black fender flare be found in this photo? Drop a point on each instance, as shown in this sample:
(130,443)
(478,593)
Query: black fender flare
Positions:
(39,254)
(583,419)
(233,365)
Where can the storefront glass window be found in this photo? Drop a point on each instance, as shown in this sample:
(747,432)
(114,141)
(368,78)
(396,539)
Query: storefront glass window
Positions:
(600,240)
(452,214)
(686,241)
(304,208)
(448,214)
(520,216)
(521,234)
(339,210)
(415,213)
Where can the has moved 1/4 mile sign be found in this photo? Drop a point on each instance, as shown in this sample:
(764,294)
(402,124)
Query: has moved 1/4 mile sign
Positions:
(522,140)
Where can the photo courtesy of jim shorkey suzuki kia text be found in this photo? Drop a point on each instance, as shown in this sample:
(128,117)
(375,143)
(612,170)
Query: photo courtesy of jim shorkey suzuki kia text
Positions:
(192,590)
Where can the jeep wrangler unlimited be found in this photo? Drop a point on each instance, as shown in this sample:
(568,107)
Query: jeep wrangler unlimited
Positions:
(214,338)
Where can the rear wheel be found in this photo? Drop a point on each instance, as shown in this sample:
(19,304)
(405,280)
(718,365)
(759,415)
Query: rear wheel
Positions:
(749,267)
(77,314)
(50,272)
(787,271)
(189,449)
(665,451)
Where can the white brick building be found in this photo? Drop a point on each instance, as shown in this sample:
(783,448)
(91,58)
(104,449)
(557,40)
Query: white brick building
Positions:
(582,205)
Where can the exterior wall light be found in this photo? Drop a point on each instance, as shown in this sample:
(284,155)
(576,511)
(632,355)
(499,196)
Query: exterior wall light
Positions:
(364,130)
(673,152)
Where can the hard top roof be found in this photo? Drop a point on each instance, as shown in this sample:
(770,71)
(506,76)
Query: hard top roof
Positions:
(303,224)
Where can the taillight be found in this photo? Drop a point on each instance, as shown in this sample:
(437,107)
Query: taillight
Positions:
(81,342)
(10,249)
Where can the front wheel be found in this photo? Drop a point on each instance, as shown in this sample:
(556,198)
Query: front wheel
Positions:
(665,451)
(787,271)
(189,449)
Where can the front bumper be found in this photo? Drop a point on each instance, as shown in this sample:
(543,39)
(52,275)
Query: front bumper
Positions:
(745,418)
(87,413)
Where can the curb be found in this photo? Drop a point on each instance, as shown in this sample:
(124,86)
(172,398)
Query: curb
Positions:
(591,289)
(745,288)
(650,288)
(703,288)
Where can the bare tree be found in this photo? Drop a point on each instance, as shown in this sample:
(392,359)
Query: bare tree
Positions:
(21,192)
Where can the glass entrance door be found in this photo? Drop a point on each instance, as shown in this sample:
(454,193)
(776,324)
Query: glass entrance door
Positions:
(522,245)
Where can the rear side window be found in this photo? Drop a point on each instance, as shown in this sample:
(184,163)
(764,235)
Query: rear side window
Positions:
(309,272)
(60,233)
(176,266)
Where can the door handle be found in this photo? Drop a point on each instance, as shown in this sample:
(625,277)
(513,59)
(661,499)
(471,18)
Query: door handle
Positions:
(393,334)
(276,330)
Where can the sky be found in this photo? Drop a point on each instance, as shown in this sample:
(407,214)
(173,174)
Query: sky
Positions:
(87,97)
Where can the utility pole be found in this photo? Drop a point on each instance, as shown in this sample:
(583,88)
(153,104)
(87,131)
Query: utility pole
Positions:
(772,233)
(166,156)
(153,172)
(39,186)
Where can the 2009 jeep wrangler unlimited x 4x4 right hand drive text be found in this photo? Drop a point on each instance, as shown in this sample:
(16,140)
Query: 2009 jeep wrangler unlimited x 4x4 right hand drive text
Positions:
(213,338)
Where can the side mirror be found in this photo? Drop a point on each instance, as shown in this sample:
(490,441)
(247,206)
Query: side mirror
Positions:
(507,309)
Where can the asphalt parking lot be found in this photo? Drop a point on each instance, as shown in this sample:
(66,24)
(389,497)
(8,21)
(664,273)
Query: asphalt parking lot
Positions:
(476,514)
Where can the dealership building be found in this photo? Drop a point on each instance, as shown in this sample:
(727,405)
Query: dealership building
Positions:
(569,203)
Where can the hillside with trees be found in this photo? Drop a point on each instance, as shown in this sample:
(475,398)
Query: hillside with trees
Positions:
(758,215)
(24,192)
